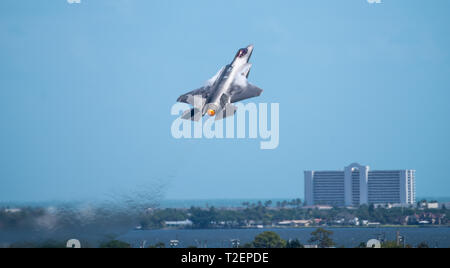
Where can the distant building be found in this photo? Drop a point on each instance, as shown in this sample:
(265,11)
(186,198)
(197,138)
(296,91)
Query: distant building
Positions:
(355,221)
(295,223)
(178,223)
(311,246)
(12,210)
(319,207)
(358,185)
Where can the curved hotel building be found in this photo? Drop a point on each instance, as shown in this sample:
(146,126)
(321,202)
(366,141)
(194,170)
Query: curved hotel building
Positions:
(358,185)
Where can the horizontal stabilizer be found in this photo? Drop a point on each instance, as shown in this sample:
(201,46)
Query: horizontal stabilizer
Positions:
(193,114)
(196,98)
(228,110)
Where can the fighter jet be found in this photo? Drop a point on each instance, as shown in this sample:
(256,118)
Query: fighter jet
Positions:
(228,86)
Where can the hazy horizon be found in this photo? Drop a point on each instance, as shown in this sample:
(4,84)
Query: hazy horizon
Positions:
(178,203)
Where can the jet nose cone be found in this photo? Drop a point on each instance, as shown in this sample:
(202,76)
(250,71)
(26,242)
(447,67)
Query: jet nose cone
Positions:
(250,46)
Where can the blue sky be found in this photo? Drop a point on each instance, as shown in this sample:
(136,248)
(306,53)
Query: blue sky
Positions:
(86,91)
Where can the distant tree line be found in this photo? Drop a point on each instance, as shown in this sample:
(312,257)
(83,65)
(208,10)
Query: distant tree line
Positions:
(263,213)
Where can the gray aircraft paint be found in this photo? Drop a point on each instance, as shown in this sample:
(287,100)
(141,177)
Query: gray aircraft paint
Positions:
(228,86)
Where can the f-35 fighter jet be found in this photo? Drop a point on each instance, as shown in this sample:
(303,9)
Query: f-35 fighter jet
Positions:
(228,86)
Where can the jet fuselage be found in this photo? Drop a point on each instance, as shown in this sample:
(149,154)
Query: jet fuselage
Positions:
(229,85)
(222,85)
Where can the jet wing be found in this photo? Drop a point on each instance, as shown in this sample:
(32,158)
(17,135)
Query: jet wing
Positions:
(241,89)
(242,93)
(199,95)
(203,93)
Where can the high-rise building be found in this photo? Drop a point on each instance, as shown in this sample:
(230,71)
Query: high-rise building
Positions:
(357,185)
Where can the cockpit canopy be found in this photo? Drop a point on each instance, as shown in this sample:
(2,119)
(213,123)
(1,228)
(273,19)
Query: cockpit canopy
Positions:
(241,53)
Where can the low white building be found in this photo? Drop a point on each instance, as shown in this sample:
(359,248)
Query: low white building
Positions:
(178,223)
(295,223)
(354,221)
(12,210)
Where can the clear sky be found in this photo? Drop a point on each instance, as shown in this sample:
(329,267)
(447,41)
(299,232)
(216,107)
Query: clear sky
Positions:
(86,91)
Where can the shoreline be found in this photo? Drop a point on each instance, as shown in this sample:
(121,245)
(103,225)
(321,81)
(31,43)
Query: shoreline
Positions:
(302,227)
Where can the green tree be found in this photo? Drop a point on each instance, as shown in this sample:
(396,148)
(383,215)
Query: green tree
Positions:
(247,245)
(362,245)
(423,245)
(390,244)
(294,244)
(158,245)
(268,240)
(371,210)
(115,244)
(322,238)
(202,218)
(52,244)
(268,203)
(363,212)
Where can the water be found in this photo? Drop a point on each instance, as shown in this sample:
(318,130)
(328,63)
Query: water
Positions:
(218,238)
(348,237)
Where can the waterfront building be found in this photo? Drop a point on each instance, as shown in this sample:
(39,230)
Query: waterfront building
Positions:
(358,185)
